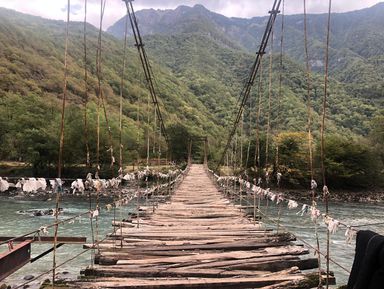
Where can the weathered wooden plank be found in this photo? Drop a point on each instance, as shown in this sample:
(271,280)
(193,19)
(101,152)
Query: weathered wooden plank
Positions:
(193,283)
(198,240)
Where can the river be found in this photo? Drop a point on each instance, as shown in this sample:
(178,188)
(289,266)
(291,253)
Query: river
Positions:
(13,224)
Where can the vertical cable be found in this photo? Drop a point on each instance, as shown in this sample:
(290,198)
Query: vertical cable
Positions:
(110,139)
(59,167)
(309,129)
(121,97)
(322,148)
(92,232)
(258,114)
(269,104)
(86,96)
(61,143)
(280,95)
(148,127)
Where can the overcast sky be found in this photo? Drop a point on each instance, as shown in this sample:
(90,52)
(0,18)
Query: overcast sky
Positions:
(115,9)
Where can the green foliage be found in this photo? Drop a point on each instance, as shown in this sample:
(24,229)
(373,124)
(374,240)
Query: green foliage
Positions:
(31,89)
(201,61)
(351,163)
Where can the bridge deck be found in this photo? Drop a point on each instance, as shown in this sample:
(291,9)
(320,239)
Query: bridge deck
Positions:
(199,240)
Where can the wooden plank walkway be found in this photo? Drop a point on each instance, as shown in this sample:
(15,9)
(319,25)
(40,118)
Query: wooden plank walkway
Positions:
(199,240)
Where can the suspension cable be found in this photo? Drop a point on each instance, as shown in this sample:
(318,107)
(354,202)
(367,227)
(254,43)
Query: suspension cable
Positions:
(121,96)
(280,94)
(268,131)
(86,96)
(258,114)
(309,130)
(322,147)
(309,88)
(60,163)
(252,76)
(61,141)
(100,91)
(145,64)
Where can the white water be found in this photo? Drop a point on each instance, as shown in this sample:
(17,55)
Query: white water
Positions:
(13,224)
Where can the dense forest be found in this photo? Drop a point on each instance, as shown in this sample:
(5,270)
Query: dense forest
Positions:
(200,61)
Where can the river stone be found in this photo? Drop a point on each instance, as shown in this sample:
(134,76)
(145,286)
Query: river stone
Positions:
(28,277)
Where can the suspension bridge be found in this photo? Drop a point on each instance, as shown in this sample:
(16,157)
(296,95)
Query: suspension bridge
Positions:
(198,227)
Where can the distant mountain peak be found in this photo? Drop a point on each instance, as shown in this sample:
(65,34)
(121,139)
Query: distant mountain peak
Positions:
(199,6)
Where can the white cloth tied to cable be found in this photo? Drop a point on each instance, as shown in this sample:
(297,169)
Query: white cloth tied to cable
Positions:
(278,177)
(129,177)
(315,213)
(313,185)
(43,230)
(304,210)
(88,181)
(108,207)
(350,235)
(279,199)
(292,204)
(325,191)
(94,213)
(332,224)
(99,185)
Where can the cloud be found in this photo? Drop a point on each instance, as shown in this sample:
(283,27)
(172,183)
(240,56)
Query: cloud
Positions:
(74,9)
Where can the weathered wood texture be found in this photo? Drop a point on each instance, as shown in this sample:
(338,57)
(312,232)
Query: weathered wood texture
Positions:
(198,240)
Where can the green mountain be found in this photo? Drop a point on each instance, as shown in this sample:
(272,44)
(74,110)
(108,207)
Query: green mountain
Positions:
(31,89)
(201,61)
(199,45)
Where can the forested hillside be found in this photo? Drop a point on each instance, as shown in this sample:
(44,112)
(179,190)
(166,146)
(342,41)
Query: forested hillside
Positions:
(201,61)
(31,88)
(212,54)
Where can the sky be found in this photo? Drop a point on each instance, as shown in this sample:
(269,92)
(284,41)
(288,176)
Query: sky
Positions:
(115,9)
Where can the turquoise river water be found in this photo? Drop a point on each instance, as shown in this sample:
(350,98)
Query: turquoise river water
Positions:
(13,224)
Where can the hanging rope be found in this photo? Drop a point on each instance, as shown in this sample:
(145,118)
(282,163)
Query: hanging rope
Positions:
(248,132)
(121,97)
(258,114)
(322,147)
(309,89)
(148,127)
(145,64)
(310,142)
(241,140)
(255,67)
(269,107)
(59,167)
(58,187)
(86,96)
(280,95)
(92,231)
(100,103)
(100,91)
